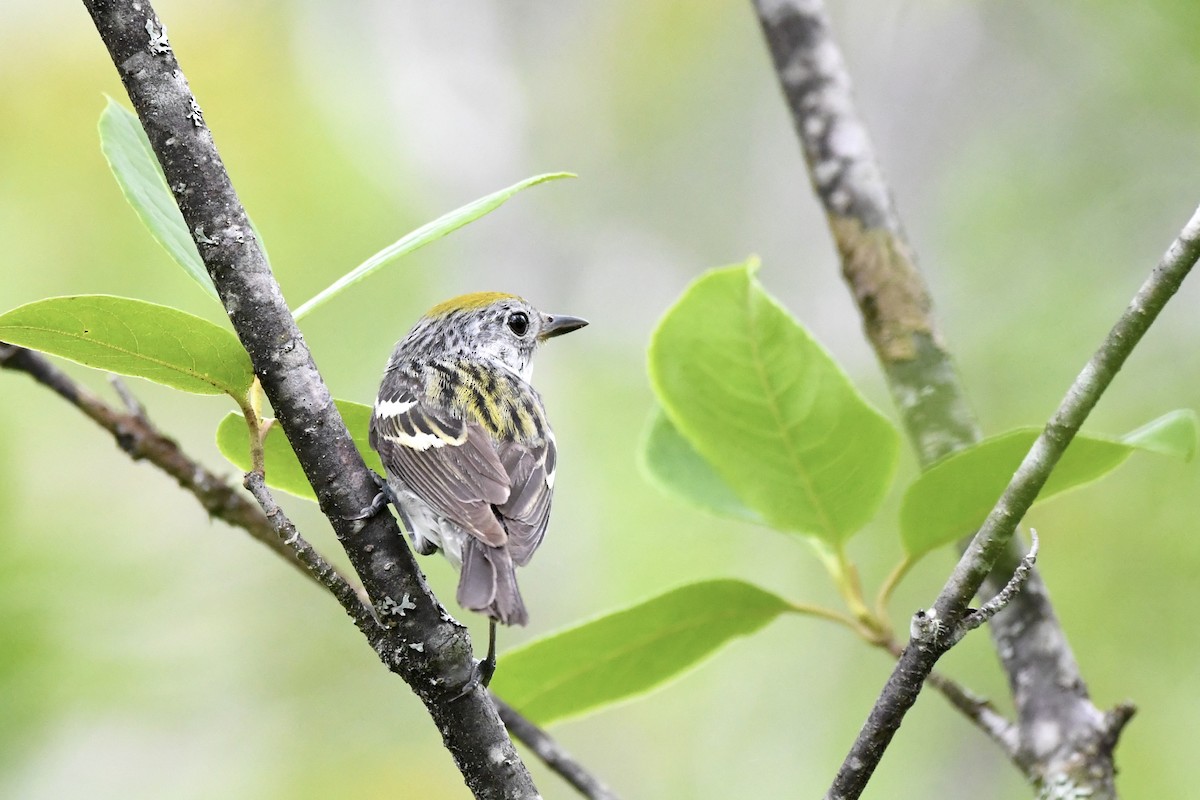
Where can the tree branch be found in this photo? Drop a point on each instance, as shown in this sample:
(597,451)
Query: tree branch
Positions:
(978,709)
(321,570)
(919,657)
(423,644)
(552,753)
(138,437)
(877,262)
(135,434)
(1005,596)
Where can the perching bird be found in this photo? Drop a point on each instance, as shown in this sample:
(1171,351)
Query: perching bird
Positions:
(469,454)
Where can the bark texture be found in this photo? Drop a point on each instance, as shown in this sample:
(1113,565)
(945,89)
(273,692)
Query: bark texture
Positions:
(418,639)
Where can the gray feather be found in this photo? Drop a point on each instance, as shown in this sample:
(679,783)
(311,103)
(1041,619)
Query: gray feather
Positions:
(488,584)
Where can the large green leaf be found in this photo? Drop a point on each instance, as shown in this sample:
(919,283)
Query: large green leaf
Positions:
(677,468)
(133,337)
(629,652)
(283,471)
(953,497)
(771,412)
(136,169)
(422,236)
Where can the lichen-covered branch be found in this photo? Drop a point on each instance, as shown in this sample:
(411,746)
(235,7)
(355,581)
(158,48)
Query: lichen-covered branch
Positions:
(1005,596)
(136,434)
(421,642)
(1090,741)
(877,261)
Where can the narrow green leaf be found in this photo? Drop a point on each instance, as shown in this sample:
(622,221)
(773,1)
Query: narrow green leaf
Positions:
(133,337)
(754,394)
(676,467)
(953,497)
(630,652)
(422,236)
(283,471)
(136,169)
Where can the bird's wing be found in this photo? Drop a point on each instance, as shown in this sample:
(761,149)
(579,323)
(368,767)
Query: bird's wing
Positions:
(530,467)
(450,462)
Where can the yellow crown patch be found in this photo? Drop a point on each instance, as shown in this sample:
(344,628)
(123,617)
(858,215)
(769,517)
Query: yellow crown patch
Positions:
(468,302)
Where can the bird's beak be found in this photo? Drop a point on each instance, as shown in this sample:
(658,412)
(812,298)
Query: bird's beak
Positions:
(558,324)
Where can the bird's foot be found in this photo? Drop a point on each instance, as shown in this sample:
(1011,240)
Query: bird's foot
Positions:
(483,670)
(384,496)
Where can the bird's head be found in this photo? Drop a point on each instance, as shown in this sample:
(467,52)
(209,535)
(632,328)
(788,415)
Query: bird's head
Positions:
(494,326)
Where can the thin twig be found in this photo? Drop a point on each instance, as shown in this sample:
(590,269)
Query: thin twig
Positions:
(355,602)
(552,753)
(976,709)
(992,607)
(917,661)
(138,437)
(132,404)
(979,710)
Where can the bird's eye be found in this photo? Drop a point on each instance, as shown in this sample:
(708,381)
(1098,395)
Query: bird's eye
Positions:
(518,322)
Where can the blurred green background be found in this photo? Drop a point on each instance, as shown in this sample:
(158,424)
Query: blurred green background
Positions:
(1042,156)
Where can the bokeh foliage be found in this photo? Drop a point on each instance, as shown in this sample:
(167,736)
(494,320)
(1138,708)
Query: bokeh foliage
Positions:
(1041,156)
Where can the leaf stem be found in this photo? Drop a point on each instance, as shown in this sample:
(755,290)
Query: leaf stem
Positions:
(250,405)
(830,615)
(874,629)
(889,585)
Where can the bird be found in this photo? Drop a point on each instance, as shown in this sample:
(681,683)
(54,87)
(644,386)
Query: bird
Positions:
(469,455)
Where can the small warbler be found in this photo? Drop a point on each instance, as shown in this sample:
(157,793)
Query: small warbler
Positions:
(469,454)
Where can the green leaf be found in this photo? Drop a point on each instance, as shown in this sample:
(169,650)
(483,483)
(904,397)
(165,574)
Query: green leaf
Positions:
(422,236)
(283,471)
(630,652)
(136,169)
(133,337)
(771,412)
(953,497)
(676,467)
(1173,434)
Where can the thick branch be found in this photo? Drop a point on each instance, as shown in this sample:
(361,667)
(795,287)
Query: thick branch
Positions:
(877,262)
(423,645)
(918,659)
(137,436)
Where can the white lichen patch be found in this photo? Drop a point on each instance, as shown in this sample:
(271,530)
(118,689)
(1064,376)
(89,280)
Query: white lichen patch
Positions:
(158,38)
(195,115)
(391,607)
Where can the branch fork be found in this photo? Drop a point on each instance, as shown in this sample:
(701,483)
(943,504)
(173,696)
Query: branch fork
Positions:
(927,628)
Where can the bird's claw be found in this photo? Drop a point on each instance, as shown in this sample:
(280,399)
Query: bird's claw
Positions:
(384,496)
(481,675)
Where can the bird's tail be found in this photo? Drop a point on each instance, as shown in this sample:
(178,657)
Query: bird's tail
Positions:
(488,583)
